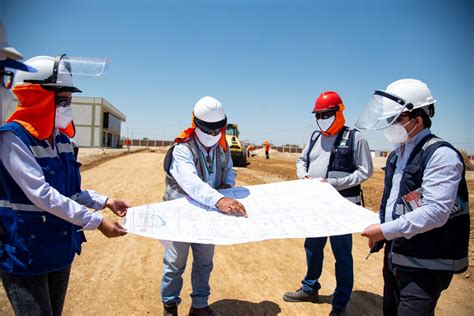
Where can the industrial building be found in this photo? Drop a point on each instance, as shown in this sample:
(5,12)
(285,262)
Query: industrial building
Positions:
(98,122)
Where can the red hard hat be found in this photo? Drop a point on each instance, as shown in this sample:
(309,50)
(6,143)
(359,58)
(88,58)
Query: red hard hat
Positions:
(327,101)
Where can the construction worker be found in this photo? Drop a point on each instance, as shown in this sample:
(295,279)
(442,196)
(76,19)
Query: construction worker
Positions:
(424,212)
(341,156)
(43,210)
(127,142)
(251,148)
(266,145)
(197,165)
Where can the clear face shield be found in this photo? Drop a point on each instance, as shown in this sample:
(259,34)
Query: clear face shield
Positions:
(382,111)
(66,67)
(83,66)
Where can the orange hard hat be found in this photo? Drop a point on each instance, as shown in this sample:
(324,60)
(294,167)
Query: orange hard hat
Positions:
(327,101)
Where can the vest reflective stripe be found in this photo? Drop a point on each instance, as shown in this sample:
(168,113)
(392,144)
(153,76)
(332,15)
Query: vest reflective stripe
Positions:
(65,148)
(353,199)
(48,152)
(431,264)
(20,207)
(43,152)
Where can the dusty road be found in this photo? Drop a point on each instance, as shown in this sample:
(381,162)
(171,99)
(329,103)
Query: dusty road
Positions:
(122,276)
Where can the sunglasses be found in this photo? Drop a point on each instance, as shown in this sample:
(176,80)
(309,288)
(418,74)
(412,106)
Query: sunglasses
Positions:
(62,101)
(7,78)
(209,131)
(325,115)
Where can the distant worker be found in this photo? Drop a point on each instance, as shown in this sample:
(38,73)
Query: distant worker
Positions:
(197,165)
(424,212)
(266,145)
(340,156)
(250,149)
(127,143)
(43,209)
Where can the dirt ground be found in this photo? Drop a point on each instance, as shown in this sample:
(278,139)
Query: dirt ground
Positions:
(122,276)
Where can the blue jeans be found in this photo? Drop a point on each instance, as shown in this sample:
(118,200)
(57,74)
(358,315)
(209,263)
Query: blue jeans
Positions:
(37,295)
(174,264)
(342,249)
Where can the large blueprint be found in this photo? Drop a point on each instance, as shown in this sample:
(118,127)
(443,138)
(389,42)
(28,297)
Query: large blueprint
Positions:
(292,209)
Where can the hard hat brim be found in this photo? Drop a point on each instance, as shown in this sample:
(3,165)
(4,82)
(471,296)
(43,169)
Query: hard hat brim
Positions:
(336,108)
(59,88)
(10,52)
(10,63)
(210,125)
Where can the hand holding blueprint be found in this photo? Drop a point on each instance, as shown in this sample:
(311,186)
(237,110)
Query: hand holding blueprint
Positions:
(292,209)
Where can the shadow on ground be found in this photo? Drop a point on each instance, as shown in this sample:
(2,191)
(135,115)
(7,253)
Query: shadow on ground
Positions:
(237,307)
(361,303)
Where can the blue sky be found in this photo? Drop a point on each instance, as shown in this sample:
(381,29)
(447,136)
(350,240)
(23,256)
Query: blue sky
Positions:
(266,61)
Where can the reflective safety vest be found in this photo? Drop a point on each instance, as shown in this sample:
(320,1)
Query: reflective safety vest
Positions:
(341,161)
(173,190)
(444,248)
(33,241)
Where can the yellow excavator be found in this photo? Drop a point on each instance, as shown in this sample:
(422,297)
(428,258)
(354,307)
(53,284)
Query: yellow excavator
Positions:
(237,150)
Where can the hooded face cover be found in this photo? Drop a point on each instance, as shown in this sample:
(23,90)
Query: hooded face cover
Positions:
(36,111)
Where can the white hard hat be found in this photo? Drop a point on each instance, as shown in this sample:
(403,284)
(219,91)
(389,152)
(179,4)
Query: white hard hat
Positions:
(412,91)
(209,114)
(53,74)
(209,109)
(400,96)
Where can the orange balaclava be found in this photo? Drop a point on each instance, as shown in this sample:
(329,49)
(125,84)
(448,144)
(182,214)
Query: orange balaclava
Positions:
(187,133)
(36,111)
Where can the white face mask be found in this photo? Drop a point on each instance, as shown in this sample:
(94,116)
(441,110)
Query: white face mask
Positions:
(396,133)
(324,125)
(206,139)
(63,116)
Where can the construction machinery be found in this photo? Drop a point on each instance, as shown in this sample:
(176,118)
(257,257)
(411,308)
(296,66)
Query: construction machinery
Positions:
(237,150)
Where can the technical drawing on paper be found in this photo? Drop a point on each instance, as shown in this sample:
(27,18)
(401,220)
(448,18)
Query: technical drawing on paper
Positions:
(291,209)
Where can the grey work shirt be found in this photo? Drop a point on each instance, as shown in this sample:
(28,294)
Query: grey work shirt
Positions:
(319,161)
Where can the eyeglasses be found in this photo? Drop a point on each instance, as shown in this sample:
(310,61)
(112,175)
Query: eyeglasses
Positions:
(62,101)
(209,131)
(399,119)
(325,115)
(7,78)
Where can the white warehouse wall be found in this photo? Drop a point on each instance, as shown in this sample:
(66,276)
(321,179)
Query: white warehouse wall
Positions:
(82,114)
(83,136)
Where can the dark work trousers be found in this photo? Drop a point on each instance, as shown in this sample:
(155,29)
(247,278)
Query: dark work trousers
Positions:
(267,154)
(342,249)
(412,292)
(37,295)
